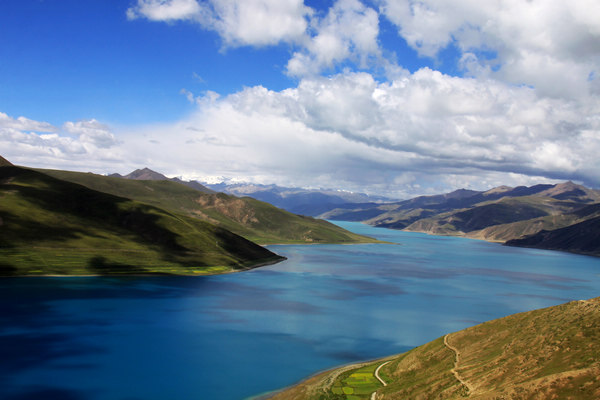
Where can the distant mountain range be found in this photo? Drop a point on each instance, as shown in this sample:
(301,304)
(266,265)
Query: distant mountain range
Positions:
(564,216)
(309,202)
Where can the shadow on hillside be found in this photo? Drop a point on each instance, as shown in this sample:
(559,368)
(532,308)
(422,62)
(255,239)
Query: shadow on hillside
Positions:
(241,248)
(100,265)
(7,269)
(61,200)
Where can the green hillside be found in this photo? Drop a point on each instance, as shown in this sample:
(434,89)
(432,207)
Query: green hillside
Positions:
(551,353)
(51,226)
(255,220)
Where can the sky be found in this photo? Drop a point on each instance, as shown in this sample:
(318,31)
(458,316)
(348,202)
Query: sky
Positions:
(389,97)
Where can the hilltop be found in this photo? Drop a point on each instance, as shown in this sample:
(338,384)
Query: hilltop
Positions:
(4,162)
(550,353)
(51,226)
(146,174)
(502,214)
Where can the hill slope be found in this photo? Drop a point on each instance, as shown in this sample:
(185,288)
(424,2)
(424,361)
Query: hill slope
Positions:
(255,220)
(582,237)
(50,226)
(550,353)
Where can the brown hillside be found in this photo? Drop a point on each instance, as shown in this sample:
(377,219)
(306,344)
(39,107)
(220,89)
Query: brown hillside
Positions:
(4,162)
(553,353)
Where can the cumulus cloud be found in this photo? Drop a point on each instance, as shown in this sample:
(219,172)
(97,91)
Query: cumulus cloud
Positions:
(160,10)
(24,124)
(38,143)
(348,31)
(551,45)
(238,22)
(92,132)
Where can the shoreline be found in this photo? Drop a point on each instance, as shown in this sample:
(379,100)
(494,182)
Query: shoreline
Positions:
(150,274)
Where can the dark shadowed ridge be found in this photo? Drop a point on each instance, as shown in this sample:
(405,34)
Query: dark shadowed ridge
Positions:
(582,238)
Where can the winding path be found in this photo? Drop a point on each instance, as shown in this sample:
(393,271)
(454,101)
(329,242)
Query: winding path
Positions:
(456,361)
(373,395)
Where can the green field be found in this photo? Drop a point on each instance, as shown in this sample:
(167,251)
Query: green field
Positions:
(356,384)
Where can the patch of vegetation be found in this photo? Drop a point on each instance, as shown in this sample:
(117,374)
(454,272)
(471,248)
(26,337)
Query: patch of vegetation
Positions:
(357,384)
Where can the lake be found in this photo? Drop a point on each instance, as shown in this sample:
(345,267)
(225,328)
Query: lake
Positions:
(238,335)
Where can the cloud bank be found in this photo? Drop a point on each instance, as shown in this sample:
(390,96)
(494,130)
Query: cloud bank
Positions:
(350,130)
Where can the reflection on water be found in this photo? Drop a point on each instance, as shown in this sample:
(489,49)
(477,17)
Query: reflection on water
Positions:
(232,336)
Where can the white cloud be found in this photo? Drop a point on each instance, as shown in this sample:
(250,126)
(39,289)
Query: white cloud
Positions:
(91,132)
(37,143)
(551,45)
(238,22)
(166,10)
(348,31)
(24,124)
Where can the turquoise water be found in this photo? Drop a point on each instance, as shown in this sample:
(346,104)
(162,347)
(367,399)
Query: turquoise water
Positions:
(235,336)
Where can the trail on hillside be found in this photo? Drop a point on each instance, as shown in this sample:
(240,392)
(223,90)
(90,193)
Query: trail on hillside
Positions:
(456,361)
(374,394)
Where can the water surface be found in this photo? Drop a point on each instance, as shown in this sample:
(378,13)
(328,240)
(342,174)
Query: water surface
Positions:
(234,336)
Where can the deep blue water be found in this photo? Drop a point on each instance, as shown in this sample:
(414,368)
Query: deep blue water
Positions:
(238,335)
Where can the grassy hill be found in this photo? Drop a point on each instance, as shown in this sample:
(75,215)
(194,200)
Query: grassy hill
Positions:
(551,353)
(51,226)
(255,220)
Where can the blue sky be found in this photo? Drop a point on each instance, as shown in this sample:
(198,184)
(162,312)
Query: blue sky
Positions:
(389,97)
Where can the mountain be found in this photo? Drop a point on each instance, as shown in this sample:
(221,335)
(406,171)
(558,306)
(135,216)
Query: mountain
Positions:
(51,226)
(543,354)
(311,202)
(147,174)
(500,214)
(254,220)
(4,162)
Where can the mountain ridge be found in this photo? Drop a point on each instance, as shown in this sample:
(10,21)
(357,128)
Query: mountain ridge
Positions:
(499,214)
